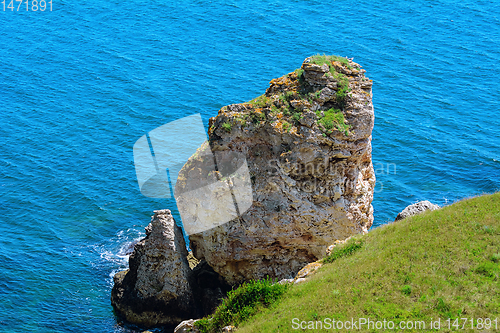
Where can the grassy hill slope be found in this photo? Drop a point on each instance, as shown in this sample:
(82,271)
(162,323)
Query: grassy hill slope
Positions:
(441,264)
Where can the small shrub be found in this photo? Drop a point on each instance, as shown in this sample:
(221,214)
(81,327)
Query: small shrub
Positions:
(299,73)
(341,96)
(406,290)
(227,127)
(289,95)
(317,94)
(257,117)
(241,303)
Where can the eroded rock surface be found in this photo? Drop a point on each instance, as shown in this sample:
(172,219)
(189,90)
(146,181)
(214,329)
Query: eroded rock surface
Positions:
(156,290)
(415,209)
(307,144)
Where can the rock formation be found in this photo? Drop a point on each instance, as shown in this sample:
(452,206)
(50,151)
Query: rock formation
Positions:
(293,170)
(415,209)
(307,144)
(156,290)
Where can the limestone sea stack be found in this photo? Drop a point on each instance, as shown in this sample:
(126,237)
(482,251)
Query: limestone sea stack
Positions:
(156,289)
(307,145)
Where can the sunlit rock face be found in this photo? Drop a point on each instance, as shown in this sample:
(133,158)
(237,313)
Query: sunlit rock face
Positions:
(306,144)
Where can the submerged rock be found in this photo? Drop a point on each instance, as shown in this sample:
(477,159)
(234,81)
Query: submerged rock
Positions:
(307,145)
(156,290)
(415,209)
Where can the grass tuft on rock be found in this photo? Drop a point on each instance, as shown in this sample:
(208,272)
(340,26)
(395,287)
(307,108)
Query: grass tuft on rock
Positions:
(333,119)
(226,127)
(320,60)
(260,101)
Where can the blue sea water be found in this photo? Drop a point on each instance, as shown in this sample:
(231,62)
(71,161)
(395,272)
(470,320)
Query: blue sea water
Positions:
(80,84)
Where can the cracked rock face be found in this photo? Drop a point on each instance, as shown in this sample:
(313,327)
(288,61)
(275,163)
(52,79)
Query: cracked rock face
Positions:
(307,144)
(156,289)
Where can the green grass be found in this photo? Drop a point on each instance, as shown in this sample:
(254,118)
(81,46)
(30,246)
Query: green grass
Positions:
(257,117)
(333,118)
(343,89)
(296,116)
(227,127)
(242,303)
(441,264)
(289,95)
(319,59)
(260,101)
(271,106)
(352,246)
(274,109)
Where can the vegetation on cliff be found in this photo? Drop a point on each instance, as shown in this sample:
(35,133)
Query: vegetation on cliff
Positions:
(439,264)
(242,303)
(289,96)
